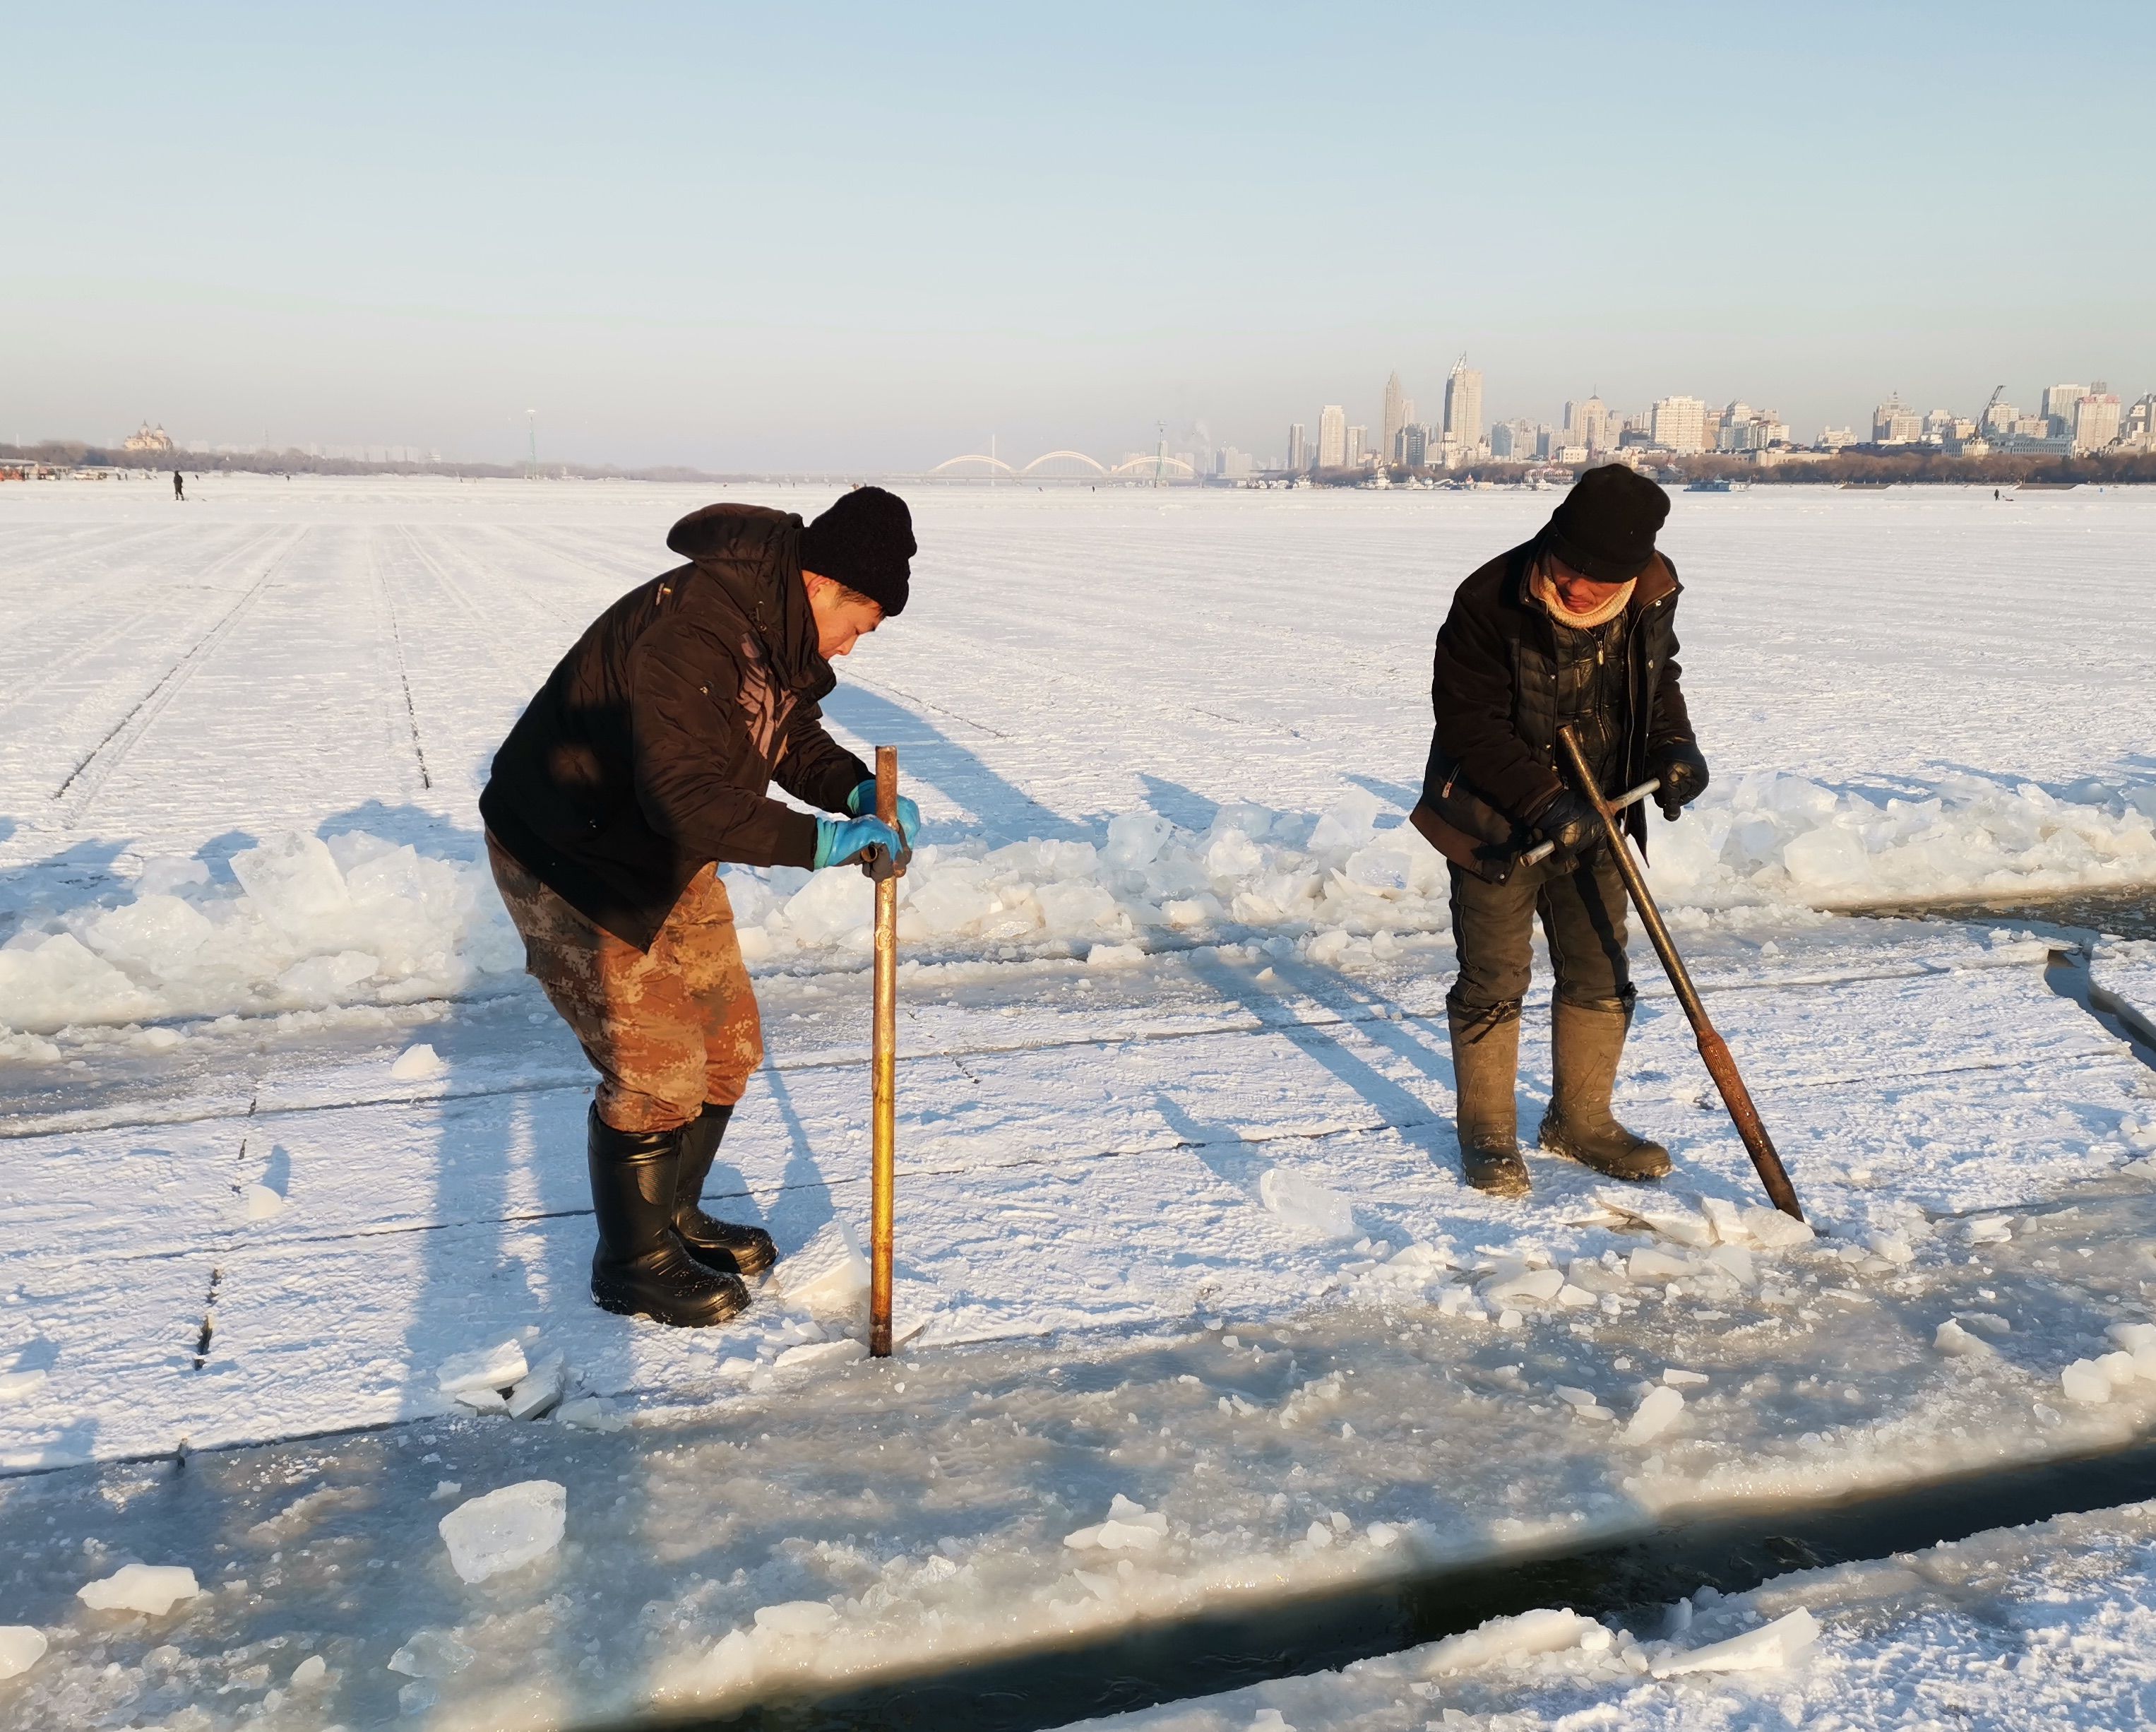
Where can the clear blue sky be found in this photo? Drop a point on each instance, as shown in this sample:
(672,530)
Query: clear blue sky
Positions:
(868,236)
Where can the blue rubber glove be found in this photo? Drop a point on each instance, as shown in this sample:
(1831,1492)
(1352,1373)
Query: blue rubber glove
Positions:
(841,843)
(861,803)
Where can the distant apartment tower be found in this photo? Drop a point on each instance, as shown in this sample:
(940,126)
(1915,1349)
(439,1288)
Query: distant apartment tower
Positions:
(2095,419)
(1894,423)
(1678,424)
(1332,437)
(1298,448)
(1588,424)
(1413,451)
(1463,411)
(1358,447)
(1396,416)
(2059,401)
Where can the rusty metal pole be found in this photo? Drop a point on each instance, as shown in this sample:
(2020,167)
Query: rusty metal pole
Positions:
(884,1111)
(1719,1064)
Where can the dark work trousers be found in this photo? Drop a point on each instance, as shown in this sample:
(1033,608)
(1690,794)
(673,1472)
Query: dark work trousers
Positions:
(1582,915)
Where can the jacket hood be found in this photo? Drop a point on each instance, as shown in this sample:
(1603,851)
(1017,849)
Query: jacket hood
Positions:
(754,554)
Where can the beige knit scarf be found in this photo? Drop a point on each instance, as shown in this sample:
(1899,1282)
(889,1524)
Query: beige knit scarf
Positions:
(1545,592)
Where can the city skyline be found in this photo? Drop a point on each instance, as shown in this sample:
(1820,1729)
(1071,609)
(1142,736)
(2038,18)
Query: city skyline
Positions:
(907,234)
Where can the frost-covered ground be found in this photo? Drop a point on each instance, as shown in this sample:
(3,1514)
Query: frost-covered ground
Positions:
(286,1130)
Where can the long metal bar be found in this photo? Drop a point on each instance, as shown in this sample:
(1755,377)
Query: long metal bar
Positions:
(1632,796)
(1719,1064)
(884,1121)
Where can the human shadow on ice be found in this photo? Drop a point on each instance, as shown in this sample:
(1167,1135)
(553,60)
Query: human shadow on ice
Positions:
(1001,810)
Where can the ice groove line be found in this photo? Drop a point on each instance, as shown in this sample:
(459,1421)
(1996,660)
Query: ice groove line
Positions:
(153,702)
(54,667)
(60,1125)
(390,1229)
(403,672)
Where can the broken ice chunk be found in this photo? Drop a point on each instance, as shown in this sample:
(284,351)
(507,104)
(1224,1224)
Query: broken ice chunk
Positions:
(1530,1287)
(1892,1246)
(1990,1230)
(1679,1229)
(1773,1230)
(1649,1264)
(540,1388)
(1956,1343)
(21,1647)
(1304,1207)
(829,1276)
(1677,1378)
(506,1529)
(431,1653)
(1544,1631)
(417,1064)
(1735,1261)
(2133,1337)
(2087,1382)
(1764,1649)
(591,1413)
(797,1619)
(491,1369)
(1656,1414)
(483,1400)
(842,1351)
(154,1588)
(310,1672)
(258,1202)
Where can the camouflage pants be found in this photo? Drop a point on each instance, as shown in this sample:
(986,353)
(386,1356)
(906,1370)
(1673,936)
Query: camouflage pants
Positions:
(667,1029)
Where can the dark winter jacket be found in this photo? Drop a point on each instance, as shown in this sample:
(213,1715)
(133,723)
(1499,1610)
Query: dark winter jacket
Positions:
(1499,689)
(650,750)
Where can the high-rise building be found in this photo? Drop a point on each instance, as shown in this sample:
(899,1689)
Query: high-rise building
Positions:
(1358,446)
(1414,452)
(2139,429)
(1588,424)
(2000,417)
(1679,424)
(2059,401)
(1463,410)
(2095,419)
(1298,448)
(1397,415)
(1894,423)
(1332,438)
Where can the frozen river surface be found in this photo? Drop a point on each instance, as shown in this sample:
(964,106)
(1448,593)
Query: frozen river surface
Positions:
(1178,1225)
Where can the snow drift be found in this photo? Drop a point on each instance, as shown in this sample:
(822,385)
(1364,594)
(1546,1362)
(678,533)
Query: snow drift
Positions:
(308,922)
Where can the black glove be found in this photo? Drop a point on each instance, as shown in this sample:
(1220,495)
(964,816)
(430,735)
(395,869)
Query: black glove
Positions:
(1571,823)
(1681,770)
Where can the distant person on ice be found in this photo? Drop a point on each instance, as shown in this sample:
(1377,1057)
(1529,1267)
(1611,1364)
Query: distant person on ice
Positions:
(645,761)
(1576,626)
(179,484)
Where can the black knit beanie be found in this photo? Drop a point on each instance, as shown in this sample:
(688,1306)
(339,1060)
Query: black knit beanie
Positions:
(865,542)
(1605,529)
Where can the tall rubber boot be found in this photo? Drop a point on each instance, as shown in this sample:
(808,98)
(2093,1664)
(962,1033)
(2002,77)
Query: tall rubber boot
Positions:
(1486,1059)
(1585,1044)
(640,1268)
(717,1244)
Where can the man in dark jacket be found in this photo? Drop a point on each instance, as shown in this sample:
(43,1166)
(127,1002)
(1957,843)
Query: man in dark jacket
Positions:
(645,761)
(1574,627)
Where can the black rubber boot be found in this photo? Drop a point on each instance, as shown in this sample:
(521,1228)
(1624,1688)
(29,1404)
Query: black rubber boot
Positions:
(1486,1057)
(1585,1044)
(640,1268)
(717,1244)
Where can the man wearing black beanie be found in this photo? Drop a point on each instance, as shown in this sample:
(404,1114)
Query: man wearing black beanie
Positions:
(1575,627)
(644,762)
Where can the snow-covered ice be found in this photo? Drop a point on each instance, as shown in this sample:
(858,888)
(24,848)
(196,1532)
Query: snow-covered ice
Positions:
(1172,1055)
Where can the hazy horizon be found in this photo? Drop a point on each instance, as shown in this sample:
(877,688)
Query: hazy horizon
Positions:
(859,239)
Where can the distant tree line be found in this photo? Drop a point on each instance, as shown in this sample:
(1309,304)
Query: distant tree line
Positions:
(71,454)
